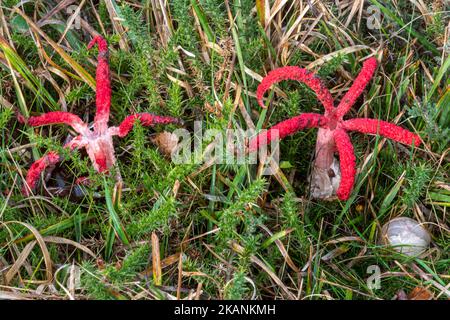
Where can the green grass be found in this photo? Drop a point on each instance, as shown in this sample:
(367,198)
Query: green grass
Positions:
(232,234)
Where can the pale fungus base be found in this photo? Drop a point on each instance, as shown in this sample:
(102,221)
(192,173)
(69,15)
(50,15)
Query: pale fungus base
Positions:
(325,181)
(326,173)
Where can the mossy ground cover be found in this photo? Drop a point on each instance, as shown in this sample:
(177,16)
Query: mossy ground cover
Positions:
(220,231)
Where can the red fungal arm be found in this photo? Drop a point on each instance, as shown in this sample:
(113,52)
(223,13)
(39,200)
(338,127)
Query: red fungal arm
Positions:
(58,117)
(287,127)
(102,44)
(146,119)
(76,143)
(21,118)
(100,160)
(361,81)
(49,159)
(37,168)
(103,91)
(83,181)
(347,163)
(383,128)
(301,75)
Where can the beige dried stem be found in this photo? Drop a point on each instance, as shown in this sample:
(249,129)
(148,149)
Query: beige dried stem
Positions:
(116,23)
(163,20)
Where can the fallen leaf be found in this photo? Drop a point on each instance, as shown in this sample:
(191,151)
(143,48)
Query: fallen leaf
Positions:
(166,142)
(420,293)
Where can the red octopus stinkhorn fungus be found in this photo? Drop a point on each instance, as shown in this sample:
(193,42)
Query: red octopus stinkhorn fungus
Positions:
(97,142)
(332,134)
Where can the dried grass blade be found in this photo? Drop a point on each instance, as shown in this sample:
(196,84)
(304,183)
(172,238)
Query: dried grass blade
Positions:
(42,245)
(59,240)
(77,67)
(156,260)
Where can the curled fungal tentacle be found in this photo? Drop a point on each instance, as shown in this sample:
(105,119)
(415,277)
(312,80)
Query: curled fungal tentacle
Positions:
(361,81)
(58,117)
(286,128)
(37,168)
(383,128)
(103,81)
(146,119)
(348,163)
(301,75)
